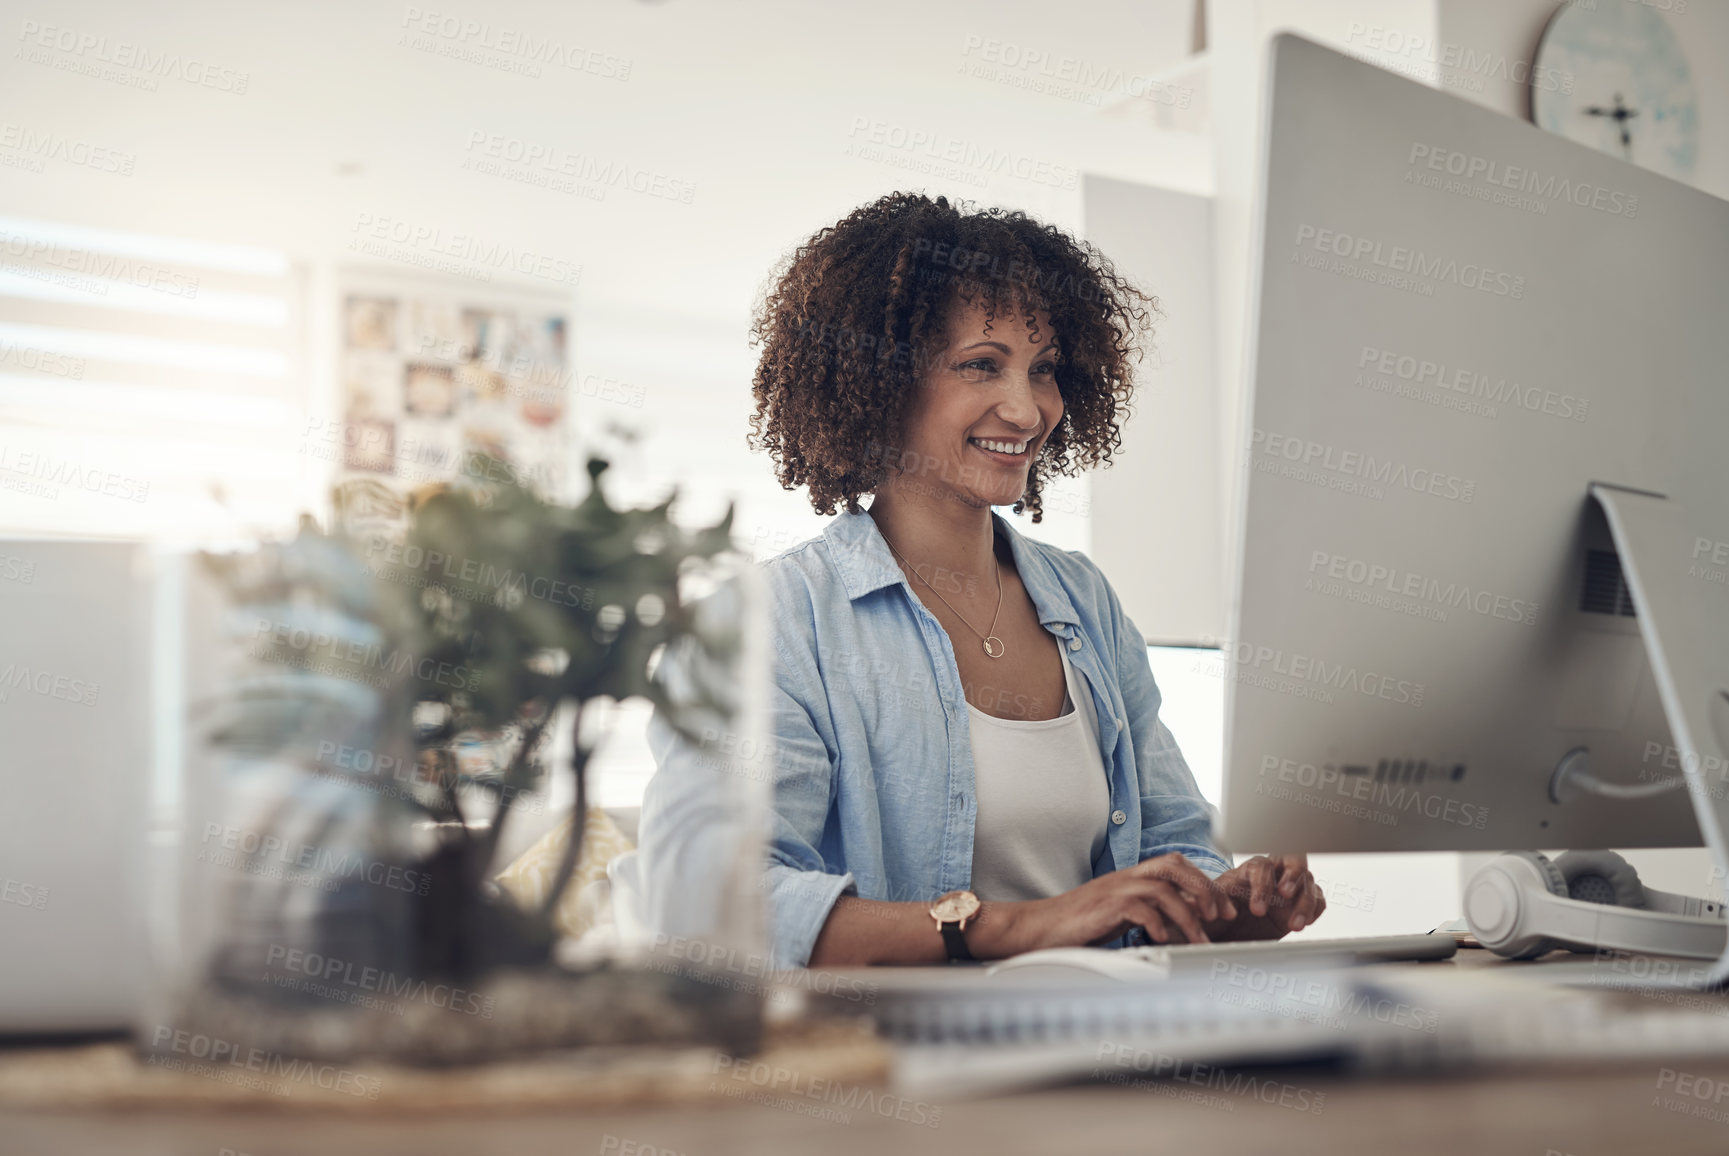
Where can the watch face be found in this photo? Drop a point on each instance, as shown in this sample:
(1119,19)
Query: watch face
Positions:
(955,906)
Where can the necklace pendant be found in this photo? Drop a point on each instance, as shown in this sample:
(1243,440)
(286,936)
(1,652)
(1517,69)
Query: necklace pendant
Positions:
(994,646)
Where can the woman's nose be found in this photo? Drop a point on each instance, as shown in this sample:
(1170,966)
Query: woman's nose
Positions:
(1017,405)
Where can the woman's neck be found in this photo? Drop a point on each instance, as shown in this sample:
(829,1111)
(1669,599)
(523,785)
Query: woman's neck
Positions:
(945,536)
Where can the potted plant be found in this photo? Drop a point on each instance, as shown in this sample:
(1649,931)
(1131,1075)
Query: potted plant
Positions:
(351,857)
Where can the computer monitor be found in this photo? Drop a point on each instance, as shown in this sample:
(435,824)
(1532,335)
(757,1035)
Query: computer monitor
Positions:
(107,650)
(75,744)
(1463,328)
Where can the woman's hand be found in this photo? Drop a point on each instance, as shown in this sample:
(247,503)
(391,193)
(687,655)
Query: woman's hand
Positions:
(1167,895)
(1275,896)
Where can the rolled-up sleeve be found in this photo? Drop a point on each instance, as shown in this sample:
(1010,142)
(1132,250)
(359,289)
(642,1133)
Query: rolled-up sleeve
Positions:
(802,889)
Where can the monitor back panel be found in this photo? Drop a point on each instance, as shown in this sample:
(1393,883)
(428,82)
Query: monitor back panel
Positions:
(1460,322)
(75,745)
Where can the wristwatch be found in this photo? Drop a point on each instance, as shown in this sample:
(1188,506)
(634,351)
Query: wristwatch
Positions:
(952,911)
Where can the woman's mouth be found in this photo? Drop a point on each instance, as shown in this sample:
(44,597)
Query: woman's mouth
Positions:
(1008,452)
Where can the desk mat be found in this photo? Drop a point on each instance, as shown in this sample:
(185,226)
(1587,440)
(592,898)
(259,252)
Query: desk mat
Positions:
(803,1061)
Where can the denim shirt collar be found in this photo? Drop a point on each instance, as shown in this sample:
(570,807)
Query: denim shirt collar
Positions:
(861,555)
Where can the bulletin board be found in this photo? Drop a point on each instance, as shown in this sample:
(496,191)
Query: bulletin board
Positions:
(429,374)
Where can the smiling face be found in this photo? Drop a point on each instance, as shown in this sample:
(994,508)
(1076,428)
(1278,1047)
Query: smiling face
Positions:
(986,405)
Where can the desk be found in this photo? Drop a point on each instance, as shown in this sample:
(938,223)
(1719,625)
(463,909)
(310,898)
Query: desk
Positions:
(1585,1112)
(1589,1114)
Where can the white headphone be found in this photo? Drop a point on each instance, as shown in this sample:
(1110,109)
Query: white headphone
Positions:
(1521,905)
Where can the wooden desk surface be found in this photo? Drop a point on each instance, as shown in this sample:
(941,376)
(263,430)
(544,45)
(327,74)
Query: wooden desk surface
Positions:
(1593,1113)
(1585,1111)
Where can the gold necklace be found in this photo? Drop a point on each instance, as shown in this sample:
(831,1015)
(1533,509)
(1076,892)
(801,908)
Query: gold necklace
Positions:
(990,640)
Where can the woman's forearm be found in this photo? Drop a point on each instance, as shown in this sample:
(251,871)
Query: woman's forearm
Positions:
(1169,896)
(863,932)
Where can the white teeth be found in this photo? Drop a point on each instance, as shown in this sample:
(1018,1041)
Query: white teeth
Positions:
(1002,447)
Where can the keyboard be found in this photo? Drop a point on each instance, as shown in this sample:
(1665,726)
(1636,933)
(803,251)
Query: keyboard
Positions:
(1364,949)
(1209,960)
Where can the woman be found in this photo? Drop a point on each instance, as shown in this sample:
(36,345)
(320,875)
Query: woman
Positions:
(958,708)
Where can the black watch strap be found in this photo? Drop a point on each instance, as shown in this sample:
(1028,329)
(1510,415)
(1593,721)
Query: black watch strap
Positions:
(956,943)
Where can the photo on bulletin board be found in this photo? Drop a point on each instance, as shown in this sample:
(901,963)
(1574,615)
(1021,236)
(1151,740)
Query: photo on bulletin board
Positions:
(429,389)
(429,375)
(370,323)
(372,448)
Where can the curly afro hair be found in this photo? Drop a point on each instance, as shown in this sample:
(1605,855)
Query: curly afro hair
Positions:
(854,315)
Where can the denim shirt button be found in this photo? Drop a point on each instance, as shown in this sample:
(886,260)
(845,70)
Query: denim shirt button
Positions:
(1119,818)
(1075,643)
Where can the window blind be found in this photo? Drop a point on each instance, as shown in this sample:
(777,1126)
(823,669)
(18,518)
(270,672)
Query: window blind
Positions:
(150,386)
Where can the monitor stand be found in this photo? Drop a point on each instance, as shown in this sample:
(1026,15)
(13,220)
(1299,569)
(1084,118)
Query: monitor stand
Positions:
(1684,622)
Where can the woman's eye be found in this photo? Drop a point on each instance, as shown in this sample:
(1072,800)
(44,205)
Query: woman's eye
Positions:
(986,365)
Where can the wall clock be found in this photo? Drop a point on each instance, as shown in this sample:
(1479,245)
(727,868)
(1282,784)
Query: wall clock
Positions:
(1624,86)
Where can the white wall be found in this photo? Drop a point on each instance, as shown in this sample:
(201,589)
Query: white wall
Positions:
(769,111)
(1155,509)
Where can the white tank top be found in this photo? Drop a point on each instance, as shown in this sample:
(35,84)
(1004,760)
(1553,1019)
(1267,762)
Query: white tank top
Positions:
(1043,802)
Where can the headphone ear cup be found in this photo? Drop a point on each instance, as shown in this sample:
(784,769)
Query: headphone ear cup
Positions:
(1556,881)
(1601,877)
(1557,885)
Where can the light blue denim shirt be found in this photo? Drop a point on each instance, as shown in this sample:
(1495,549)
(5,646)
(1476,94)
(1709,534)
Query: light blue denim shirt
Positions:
(872,767)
